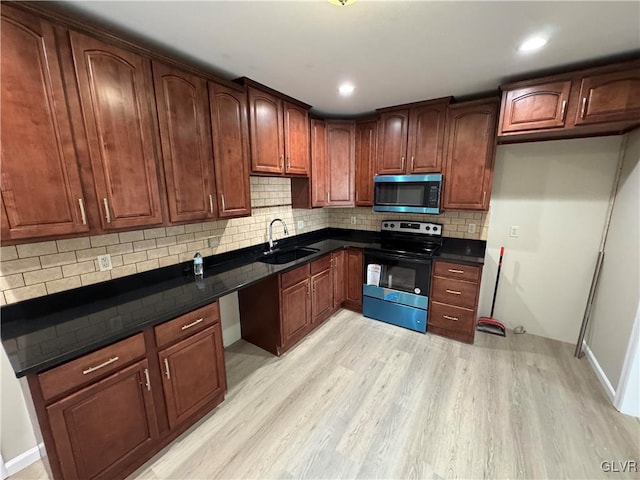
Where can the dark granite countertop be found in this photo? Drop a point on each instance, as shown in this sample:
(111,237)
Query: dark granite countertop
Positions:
(44,332)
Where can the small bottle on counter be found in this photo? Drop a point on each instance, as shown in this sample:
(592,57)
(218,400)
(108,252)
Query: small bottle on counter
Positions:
(198,267)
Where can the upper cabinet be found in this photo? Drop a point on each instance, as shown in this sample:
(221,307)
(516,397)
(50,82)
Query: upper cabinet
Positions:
(230,150)
(183,115)
(340,163)
(279,132)
(37,144)
(366,142)
(597,101)
(115,89)
(470,152)
(410,140)
(319,165)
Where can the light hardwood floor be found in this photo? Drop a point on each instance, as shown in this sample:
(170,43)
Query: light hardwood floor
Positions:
(362,399)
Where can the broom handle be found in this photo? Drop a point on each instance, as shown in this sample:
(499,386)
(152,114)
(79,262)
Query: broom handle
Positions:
(495,290)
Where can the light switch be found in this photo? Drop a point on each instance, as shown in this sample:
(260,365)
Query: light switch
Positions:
(514,232)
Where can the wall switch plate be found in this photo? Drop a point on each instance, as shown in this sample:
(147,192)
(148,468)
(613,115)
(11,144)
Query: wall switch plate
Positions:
(353,220)
(104,262)
(471,228)
(300,224)
(213,241)
(514,231)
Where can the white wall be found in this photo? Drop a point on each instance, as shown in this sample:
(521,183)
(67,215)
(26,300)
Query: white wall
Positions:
(557,192)
(16,432)
(618,295)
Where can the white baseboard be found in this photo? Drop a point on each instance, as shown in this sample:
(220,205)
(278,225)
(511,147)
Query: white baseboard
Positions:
(606,384)
(22,461)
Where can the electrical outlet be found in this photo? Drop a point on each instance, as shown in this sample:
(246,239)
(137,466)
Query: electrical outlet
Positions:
(514,231)
(353,220)
(213,241)
(471,228)
(300,224)
(104,262)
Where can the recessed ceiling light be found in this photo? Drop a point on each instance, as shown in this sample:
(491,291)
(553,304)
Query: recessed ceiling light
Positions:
(342,3)
(532,44)
(346,89)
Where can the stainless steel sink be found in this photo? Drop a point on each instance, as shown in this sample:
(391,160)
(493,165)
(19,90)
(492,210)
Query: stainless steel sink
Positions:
(287,255)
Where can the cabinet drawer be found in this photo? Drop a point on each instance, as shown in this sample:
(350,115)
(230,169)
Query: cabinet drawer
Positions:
(321,264)
(454,292)
(89,367)
(457,271)
(451,318)
(185,325)
(294,276)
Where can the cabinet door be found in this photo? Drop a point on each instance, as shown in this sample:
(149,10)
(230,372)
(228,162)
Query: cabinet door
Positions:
(338,260)
(105,426)
(319,167)
(296,136)
(426,138)
(183,116)
(193,373)
(295,311)
(354,279)
(267,138)
(610,97)
(341,159)
(116,89)
(534,107)
(321,296)
(365,162)
(37,146)
(392,142)
(230,150)
(470,154)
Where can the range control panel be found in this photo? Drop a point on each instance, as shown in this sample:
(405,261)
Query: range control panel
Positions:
(418,228)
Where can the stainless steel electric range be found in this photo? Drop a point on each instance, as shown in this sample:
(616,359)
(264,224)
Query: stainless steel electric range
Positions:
(398,274)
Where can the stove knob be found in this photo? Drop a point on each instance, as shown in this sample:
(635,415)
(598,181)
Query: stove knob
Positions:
(386,225)
(393,225)
(427,228)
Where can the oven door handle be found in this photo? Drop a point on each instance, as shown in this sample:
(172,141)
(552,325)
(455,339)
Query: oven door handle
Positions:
(372,257)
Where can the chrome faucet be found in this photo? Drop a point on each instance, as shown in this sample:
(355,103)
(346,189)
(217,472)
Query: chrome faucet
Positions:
(271,242)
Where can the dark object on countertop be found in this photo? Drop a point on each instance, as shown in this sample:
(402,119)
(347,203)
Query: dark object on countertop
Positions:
(490,324)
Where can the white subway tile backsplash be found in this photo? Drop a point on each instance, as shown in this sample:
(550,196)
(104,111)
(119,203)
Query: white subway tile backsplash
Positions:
(44,275)
(73,244)
(57,259)
(8,253)
(36,249)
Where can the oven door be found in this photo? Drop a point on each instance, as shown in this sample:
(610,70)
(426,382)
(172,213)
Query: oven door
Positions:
(400,272)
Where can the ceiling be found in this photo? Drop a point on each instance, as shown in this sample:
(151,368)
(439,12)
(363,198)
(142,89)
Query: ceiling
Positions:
(394,52)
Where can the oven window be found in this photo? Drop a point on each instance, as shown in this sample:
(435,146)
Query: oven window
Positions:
(398,278)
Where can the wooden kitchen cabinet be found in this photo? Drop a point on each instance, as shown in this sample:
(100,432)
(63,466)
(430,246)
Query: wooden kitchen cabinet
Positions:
(470,152)
(340,163)
(596,101)
(321,296)
(609,97)
(104,414)
(536,106)
(183,115)
(193,373)
(37,143)
(295,306)
(453,302)
(230,150)
(105,427)
(115,88)
(354,279)
(410,139)
(366,147)
(279,132)
(319,165)
(338,266)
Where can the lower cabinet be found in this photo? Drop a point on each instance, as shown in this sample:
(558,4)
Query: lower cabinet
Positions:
(278,312)
(453,303)
(104,414)
(354,279)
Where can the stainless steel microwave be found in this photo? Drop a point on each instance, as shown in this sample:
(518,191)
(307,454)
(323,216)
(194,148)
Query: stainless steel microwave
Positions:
(407,193)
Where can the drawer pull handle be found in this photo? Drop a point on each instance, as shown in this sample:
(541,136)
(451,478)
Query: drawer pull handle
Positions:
(147,382)
(166,369)
(584,106)
(455,319)
(211,203)
(564,110)
(83,214)
(192,324)
(453,292)
(456,271)
(102,365)
(107,213)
